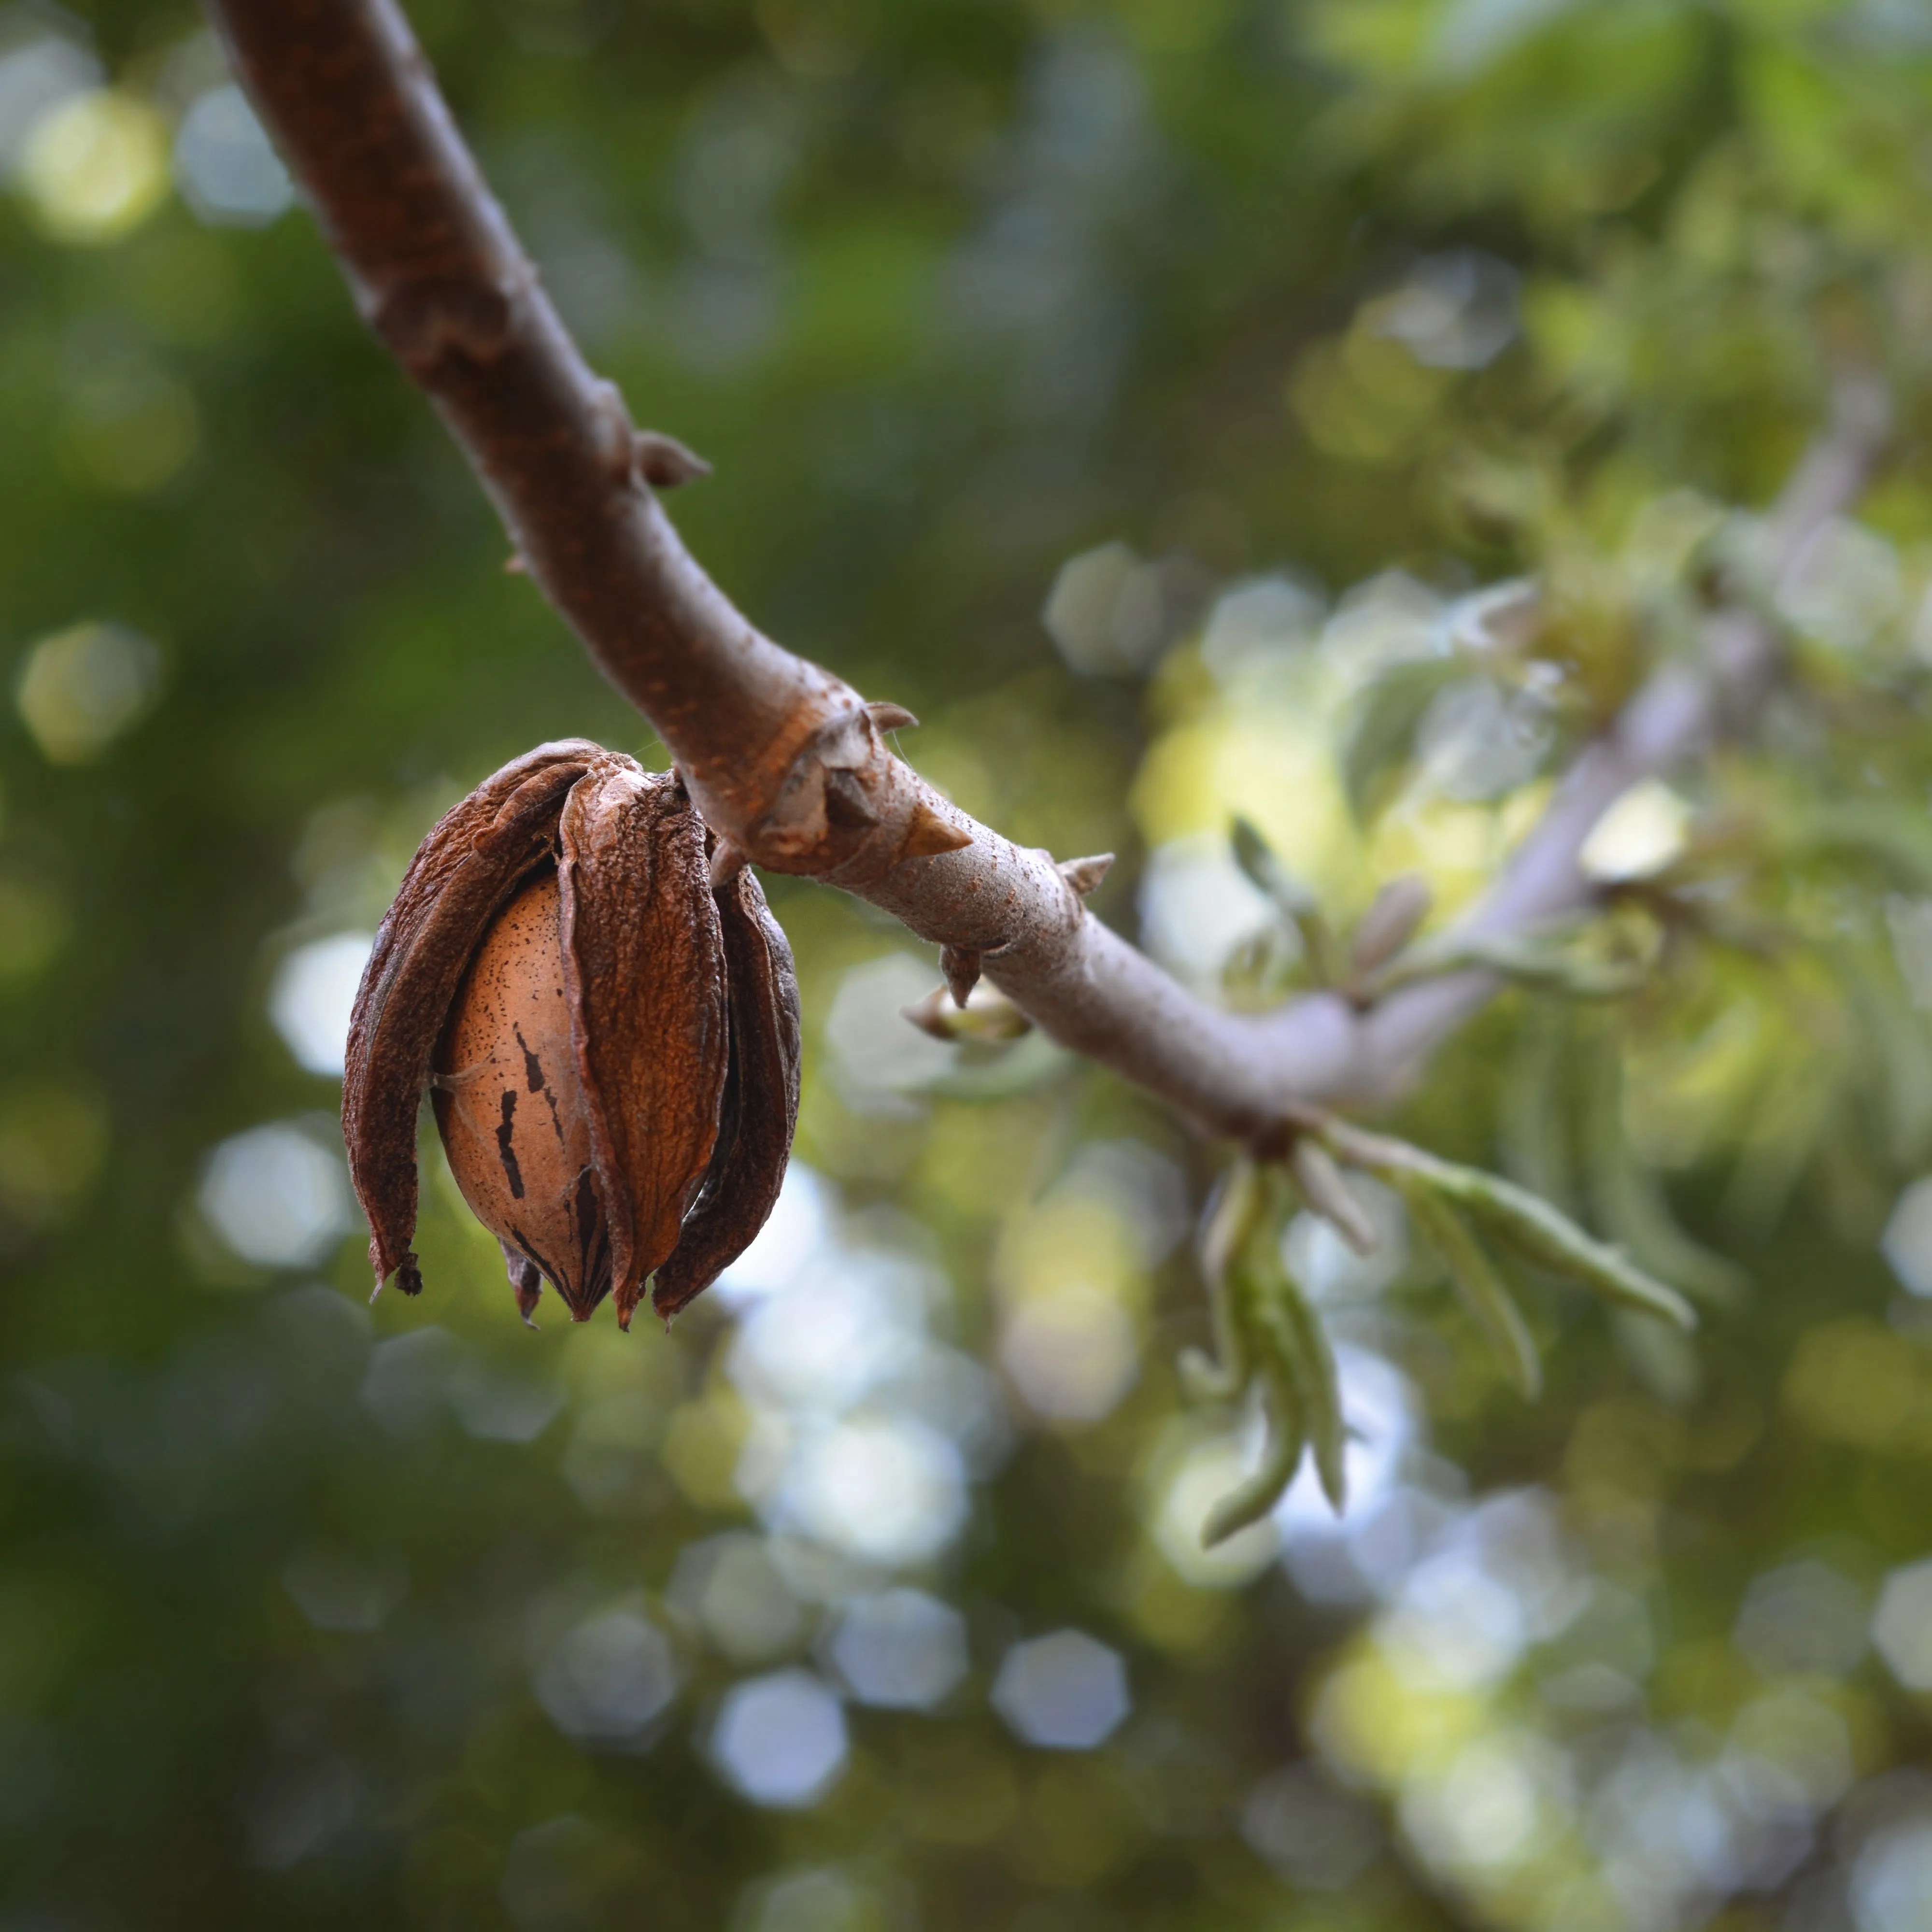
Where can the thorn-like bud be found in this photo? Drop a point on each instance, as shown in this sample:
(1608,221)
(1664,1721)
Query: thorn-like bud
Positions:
(961,965)
(892,717)
(1083,874)
(513,565)
(665,462)
(931,834)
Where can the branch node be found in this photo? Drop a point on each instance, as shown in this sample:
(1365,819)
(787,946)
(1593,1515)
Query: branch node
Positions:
(423,321)
(891,717)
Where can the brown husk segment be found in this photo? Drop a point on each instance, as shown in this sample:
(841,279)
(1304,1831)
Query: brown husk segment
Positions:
(644,972)
(468,866)
(761,1108)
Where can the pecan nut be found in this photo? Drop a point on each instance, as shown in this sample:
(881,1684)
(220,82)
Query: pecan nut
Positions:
(611,1045)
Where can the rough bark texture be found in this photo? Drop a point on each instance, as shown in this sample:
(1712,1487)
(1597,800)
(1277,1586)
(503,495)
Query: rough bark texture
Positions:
(786,762)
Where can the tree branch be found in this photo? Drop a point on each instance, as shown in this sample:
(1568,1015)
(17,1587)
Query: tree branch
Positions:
(786,761)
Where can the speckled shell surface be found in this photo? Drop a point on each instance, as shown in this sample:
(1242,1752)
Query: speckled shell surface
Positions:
(511,1108)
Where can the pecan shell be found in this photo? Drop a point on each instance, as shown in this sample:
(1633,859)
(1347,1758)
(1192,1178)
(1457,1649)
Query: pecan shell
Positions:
(461,876)
(613,1046)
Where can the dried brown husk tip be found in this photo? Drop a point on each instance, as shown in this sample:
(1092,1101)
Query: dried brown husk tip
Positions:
(612,1045)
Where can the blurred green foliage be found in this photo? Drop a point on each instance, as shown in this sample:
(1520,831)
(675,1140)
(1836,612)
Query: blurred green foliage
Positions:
(1151,397)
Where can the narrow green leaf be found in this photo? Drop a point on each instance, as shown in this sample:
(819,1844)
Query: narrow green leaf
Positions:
(1232,1216)
(1256,1494)
(1483,1291)
(1290,1327)
(1550,961)
(1540,1234)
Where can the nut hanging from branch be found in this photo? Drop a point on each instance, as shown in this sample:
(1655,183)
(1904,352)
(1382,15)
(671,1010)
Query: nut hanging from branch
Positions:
(612,1043)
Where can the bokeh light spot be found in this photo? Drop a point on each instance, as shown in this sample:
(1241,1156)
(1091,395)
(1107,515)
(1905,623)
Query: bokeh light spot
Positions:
(277,1196)
(39,69)
(900,1649)
(228,173)
(498,1406)
(96,166)
(1902,1625)
(1640,835)
(1802,1618)
(787,1244)
(729,1587)
(608,1679)
(1892,1880)
(886,1487)
(1065,1692)
(314,990)
(819,1899)
(780,1739)
(1906,1243)
(1073,1353)
(80,689)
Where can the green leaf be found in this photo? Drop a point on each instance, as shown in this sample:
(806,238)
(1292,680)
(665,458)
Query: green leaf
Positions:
(1232,1219)
(1293,1326)
(1483,1291)
(1550,1239)
(1266,1331)
(1257,1493)
(1549,960)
